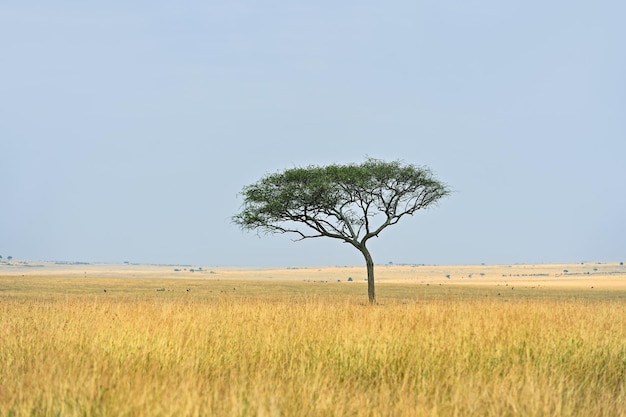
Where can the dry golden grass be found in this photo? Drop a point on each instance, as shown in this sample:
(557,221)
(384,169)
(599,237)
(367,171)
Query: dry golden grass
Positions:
(294,348)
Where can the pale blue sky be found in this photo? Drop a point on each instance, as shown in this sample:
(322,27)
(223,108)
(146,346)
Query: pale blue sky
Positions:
(127,129)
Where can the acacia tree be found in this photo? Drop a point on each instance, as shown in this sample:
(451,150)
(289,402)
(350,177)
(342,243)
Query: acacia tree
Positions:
(352,203)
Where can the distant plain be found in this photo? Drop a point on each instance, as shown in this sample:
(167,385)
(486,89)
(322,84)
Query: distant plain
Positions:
(391,280)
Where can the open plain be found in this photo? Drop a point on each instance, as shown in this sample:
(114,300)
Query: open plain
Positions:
(153,340)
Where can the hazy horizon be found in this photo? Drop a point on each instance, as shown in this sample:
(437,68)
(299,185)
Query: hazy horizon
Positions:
(96,262)
(290,266)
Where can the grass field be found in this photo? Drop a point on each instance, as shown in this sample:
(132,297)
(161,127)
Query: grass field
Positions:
(290,343)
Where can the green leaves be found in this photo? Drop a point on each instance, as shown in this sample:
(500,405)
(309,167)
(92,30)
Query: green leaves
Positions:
(350,202)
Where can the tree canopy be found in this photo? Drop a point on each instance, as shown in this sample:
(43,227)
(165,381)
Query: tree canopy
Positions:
(352,202)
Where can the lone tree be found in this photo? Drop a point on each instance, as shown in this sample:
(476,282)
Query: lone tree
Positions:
(352,203)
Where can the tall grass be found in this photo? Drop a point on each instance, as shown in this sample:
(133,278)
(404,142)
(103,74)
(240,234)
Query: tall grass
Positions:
(310,355)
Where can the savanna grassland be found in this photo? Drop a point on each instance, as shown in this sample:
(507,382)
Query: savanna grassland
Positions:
(165,346)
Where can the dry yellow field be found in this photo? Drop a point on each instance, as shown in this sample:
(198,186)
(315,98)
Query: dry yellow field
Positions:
(480,340)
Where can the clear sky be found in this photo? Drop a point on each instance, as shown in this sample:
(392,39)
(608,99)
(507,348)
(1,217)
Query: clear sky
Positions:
(127,129)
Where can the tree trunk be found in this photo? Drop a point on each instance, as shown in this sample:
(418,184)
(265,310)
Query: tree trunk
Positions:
(369,262)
